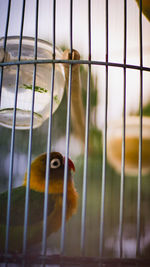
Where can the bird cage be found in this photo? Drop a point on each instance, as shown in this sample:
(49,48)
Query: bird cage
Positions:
(74,79)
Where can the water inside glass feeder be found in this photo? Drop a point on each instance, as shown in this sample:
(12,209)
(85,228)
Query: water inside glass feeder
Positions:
(25,85)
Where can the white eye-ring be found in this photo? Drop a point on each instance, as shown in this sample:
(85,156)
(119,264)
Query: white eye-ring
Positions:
(55,163)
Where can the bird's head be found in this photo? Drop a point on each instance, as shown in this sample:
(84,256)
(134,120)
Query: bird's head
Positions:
(57,165)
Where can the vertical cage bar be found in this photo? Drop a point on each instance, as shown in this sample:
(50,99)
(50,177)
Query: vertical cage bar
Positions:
(44,244)
(67,139)
(104,146)
(66,163)
(7,24)
(140,136)
(30,137)
(86,138)
(5,40)
(122,185)
(71,27)
(13,135)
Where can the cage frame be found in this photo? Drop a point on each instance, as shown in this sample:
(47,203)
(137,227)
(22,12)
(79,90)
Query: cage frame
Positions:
(61,259)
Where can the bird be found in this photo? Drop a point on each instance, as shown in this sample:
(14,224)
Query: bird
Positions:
(36,202)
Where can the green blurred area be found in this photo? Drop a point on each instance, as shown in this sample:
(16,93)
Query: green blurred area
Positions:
(146,110)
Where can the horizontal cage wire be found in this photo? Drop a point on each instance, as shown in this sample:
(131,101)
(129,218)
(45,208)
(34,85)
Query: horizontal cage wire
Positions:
(74,94)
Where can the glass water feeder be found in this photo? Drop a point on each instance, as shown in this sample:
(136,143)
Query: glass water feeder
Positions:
(42,85)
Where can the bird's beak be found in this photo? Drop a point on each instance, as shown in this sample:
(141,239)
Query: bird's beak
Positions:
(70,164)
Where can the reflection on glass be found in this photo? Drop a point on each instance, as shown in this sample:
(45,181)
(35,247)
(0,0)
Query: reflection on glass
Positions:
(42,86)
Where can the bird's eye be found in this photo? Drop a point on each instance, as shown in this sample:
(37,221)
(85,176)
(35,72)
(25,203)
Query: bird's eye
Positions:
(55,163)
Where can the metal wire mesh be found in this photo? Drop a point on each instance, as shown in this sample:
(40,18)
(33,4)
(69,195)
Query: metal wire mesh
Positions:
(60,259)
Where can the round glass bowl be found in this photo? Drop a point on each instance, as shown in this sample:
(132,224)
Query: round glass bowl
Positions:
(114,145)
(42,86)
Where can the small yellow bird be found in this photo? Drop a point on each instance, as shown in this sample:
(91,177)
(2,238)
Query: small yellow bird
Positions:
(36,202)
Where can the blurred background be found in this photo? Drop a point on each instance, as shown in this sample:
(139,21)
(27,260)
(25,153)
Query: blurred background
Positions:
(97,107)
